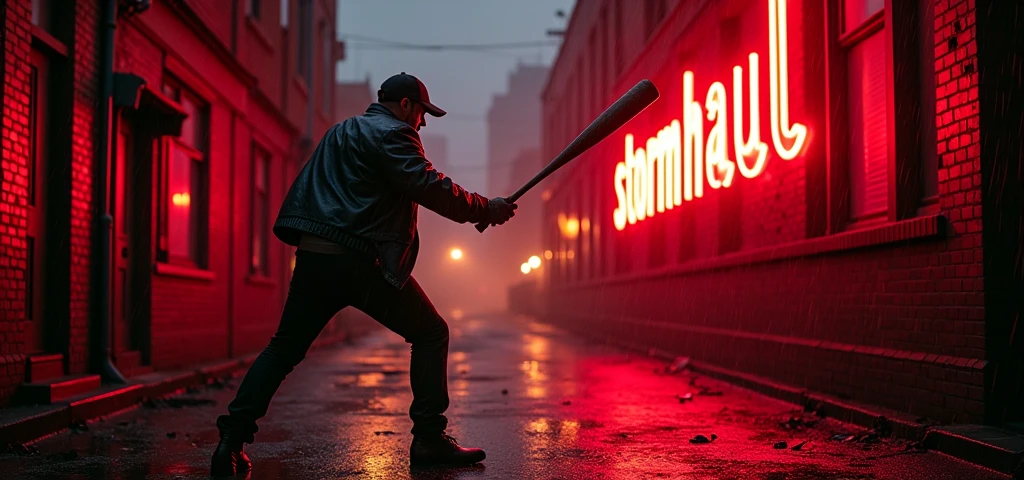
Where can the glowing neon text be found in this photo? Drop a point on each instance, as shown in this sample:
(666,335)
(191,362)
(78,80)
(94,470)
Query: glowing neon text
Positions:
(674,165)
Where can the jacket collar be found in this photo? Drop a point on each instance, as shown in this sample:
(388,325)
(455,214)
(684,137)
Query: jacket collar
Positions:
(379,109)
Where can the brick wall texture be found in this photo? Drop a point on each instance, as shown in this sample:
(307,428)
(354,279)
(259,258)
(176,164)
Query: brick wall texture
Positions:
(186,320)
(898,322)
(14,136)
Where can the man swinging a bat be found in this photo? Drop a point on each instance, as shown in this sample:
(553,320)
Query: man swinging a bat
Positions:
(351,213)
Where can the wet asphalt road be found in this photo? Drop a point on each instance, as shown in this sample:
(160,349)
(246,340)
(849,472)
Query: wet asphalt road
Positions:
(572,410)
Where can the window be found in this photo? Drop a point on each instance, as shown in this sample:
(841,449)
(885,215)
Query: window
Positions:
(303,54)
(867,108)
(926,57)
(328,73)
(42,16)
(184,184)
(259,263)
(284,13)
(252,8)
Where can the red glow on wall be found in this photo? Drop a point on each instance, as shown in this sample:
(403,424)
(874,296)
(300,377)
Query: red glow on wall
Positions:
(675,164)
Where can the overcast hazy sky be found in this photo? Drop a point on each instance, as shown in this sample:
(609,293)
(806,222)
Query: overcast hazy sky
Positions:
(461,82)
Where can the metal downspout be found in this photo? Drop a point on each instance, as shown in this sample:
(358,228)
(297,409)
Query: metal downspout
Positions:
(102,181)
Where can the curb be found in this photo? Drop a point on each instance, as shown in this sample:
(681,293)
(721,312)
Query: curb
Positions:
(23,425)
(978,444)
(987,446)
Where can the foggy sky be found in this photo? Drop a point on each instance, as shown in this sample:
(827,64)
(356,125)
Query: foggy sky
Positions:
(460,82)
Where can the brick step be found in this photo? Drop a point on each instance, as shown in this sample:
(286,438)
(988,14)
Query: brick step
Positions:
(129,363)
(43,367)
(57,389)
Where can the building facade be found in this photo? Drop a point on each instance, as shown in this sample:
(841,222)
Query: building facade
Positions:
(214,107)
(826,195)
(513,145)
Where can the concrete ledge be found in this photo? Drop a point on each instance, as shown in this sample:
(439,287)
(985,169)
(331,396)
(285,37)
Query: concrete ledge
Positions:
(991,447)
(21,425)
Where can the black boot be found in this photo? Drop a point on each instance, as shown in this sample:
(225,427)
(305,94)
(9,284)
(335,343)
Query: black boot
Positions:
(442,450)
(229,459)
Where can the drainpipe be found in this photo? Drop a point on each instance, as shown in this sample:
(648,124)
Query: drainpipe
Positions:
(102,181)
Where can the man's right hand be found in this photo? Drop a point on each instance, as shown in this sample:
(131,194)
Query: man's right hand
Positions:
(500,211)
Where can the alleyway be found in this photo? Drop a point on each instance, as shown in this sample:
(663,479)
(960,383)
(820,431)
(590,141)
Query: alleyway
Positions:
(543,404)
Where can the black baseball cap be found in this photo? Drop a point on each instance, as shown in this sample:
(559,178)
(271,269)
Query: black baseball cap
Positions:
(404,85)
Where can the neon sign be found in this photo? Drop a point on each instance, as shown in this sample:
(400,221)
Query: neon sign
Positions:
(673,165)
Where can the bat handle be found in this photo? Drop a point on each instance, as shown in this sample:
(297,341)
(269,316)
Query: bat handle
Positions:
(480,227)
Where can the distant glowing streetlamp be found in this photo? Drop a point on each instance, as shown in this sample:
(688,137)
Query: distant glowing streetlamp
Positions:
(456,254)
(525,268)
(548,254)
(534,262)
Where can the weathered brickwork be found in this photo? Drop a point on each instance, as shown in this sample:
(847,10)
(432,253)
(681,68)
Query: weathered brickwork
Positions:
(890,317)
(238,65)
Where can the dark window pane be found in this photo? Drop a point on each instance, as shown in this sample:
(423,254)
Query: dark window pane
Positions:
(868,127)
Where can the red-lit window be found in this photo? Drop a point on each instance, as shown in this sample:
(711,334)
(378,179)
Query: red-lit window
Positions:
(183,226)
(259,251)
(867,108)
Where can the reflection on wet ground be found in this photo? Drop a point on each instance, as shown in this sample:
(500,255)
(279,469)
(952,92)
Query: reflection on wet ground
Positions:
(543,403)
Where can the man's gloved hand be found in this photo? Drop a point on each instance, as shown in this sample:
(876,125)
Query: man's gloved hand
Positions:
(499,210)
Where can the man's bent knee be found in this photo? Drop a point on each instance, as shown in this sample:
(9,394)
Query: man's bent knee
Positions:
(436,334)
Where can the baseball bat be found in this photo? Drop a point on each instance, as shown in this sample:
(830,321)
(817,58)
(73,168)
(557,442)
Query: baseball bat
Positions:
(623,110)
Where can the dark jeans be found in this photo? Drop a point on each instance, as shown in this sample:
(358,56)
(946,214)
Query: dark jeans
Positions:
(321,285)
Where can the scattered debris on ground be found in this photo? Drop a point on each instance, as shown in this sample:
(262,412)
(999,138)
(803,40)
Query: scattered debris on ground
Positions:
(21,449)
(176,402)
(704,439)
(78,425)
(798,423)
(678,365)
(800,446)
(384,432)
(780,445)
(688,397)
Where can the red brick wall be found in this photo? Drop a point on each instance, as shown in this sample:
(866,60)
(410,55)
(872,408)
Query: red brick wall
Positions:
(192,320)
(17,45)
(892,322)
(83,60)
(83,156)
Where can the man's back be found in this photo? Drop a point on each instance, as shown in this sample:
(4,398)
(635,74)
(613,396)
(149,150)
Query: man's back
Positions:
(361,188)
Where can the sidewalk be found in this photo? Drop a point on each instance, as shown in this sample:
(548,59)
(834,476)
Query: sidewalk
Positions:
(543,403)
(25,424)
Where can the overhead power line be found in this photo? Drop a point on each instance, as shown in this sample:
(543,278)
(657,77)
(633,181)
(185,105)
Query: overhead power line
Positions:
(383,43)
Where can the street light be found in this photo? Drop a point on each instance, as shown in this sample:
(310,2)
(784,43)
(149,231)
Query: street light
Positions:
(456,254)
(525,268)
(534,262)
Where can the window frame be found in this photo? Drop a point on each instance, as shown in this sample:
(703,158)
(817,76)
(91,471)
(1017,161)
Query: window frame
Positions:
(896,21)
(259,154)
(198,256)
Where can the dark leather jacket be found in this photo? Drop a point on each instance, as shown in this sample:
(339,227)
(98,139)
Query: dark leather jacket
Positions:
(361,189)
